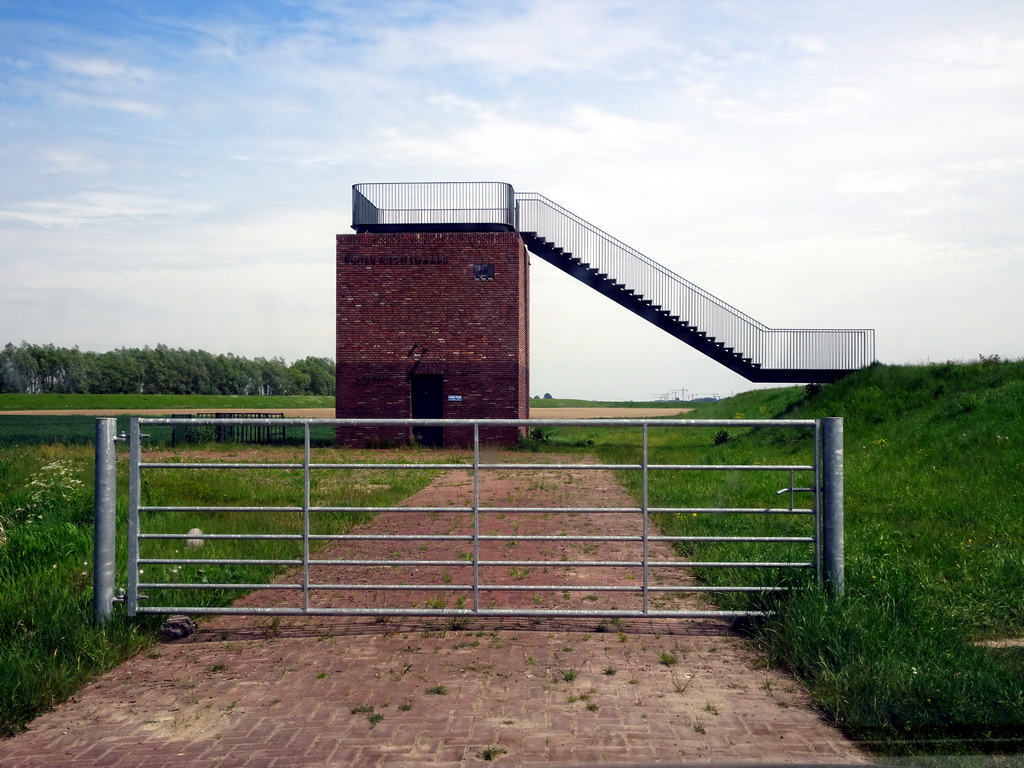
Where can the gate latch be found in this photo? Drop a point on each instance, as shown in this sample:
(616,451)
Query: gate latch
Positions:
(123,438)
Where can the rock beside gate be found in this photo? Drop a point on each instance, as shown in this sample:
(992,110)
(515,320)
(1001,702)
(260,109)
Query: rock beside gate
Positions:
(177,627)
(194,542)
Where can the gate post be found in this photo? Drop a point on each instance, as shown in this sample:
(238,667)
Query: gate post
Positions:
(104,521)
(832,551)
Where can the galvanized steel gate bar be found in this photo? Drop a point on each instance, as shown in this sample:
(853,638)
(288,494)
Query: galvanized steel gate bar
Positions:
(825,493)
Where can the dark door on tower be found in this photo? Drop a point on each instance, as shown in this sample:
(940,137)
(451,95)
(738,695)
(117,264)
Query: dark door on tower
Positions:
(428,403)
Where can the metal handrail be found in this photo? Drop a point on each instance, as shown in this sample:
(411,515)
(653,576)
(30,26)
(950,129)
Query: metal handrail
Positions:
(433,203)
(769,348)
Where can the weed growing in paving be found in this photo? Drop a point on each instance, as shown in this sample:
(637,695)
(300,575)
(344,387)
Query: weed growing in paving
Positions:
(401,673)
(681,687)
(569,674)
(698,724)
(492,753)
(372,716)
(438,690)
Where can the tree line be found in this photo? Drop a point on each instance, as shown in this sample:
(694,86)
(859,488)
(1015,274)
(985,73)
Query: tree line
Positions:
(35,369)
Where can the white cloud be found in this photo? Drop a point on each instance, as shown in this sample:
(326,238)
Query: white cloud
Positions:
(127,106)
(95,208)
(62,160)
(101,71)
(523,39)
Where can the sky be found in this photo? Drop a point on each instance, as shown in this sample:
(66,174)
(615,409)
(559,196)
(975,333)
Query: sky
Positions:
(176,173)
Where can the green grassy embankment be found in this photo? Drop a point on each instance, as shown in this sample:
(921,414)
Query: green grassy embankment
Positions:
(934,457)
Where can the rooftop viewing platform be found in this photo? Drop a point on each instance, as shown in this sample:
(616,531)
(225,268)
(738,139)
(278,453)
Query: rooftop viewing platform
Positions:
(626,276)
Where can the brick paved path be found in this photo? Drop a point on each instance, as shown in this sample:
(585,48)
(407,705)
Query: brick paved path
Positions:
(256,691)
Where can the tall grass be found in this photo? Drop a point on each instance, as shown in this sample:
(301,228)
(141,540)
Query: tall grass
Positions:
(50,647)
(934,547)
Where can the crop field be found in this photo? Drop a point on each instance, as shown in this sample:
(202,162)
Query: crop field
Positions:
(54,402)
(922,656)
(64,425)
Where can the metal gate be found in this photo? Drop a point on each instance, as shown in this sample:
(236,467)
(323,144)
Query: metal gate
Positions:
(182,556)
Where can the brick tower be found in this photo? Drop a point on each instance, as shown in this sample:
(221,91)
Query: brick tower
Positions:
(432,322)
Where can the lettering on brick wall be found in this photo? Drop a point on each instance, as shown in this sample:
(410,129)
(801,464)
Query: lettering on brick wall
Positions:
(372,377)
(399,260)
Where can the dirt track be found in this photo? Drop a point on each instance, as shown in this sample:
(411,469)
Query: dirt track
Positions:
(605,413)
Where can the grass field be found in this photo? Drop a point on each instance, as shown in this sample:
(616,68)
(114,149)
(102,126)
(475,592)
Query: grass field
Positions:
(935,554)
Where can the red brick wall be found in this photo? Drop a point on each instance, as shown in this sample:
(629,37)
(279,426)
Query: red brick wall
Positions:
(409,303)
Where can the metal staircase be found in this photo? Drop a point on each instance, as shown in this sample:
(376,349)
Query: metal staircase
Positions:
(678,307)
